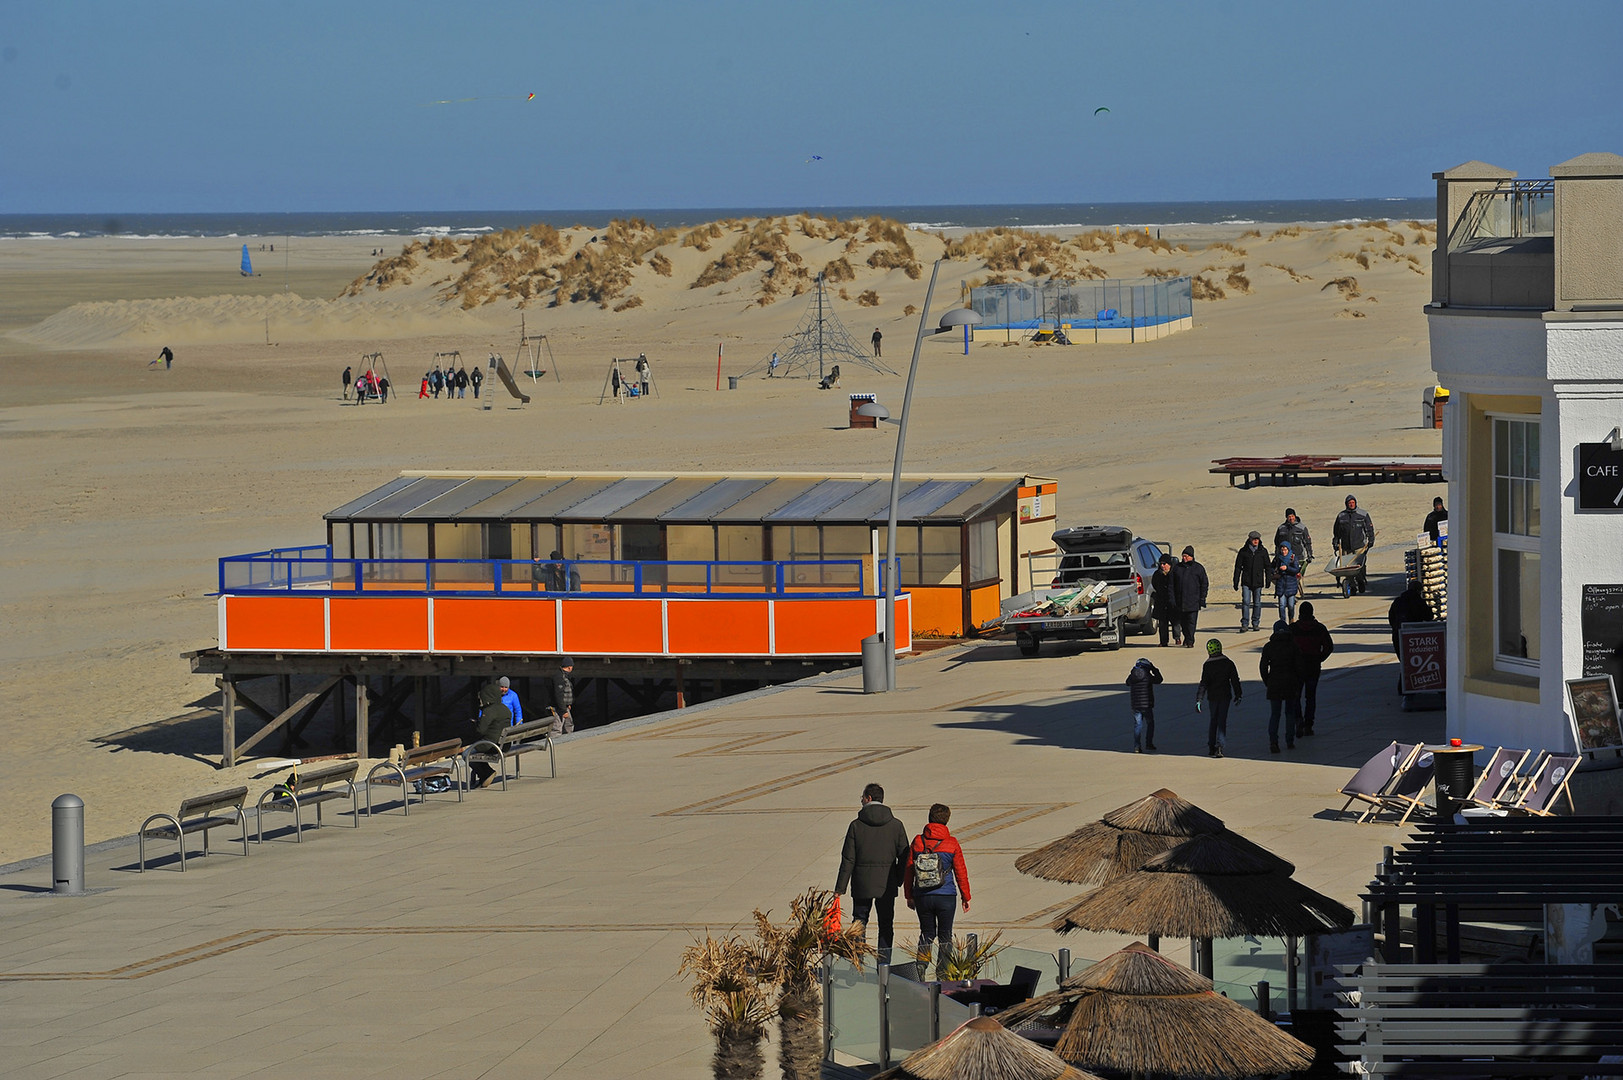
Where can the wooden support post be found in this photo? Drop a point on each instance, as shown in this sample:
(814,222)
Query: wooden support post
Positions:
(228,721)
(363,721)
(681,690)
(339,735)
(419,714)
(284,692)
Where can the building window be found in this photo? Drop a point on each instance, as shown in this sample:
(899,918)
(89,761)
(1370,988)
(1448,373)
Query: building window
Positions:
(1516,544)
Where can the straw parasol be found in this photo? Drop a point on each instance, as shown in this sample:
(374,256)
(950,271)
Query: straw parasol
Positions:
(984,1049)
(1207,887)
(1139,1012)
(1126,838)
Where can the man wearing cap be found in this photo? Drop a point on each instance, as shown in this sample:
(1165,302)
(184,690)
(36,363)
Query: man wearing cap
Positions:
(510,699)
(1189,587)
(1219,687)
(1281,668)
(1313,641)
(1162,605)
(1354,532)
(563,694)
(1291,531)
(1253,572)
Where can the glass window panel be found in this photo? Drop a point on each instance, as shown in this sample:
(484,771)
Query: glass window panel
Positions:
(797,543)
(1532,450)
(402,541)
(1532,507)
(1518,449)
(848,541)
(1501,447)
(1518,507)
(642,542)
(746,544)
(983,547)
(940,555)
(458,540)
(1518,584)
(341,548)
(1501,505)
(689,543)
(588,542)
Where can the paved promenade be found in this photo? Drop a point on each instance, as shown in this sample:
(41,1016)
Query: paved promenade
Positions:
(536,932)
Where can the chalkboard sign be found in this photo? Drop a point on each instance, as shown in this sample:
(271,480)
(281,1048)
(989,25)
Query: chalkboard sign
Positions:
(1602,624)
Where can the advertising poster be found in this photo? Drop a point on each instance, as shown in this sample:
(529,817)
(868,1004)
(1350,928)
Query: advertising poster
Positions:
(1421,648)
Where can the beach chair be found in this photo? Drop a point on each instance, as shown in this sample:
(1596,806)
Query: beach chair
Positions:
(1403,795)
(1370,782)
(1500,780)
(1549,783)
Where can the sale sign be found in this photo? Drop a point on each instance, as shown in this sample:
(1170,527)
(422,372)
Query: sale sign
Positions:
(1421,651)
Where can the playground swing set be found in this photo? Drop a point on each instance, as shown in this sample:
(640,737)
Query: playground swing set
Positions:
(639,384)
(373,368)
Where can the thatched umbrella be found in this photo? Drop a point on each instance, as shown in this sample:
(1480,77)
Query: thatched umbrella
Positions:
(1125,839)
(984,1049)
(1139,1012)
(1205,888)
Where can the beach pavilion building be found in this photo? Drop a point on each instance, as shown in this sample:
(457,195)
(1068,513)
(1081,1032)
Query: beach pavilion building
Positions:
(1526,328)
(664,582)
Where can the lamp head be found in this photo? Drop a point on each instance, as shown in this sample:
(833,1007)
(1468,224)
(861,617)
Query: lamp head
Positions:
(874,410)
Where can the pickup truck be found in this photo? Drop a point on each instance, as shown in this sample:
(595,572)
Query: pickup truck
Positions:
(1100,590)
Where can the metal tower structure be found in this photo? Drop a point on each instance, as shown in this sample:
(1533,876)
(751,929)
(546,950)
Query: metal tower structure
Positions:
(818,342)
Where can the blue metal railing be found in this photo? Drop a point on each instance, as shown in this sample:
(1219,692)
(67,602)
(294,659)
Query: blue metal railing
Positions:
(314,568)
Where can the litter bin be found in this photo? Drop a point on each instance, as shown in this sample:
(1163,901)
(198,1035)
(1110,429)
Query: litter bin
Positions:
(873,664)
(732,382)
(1455,771)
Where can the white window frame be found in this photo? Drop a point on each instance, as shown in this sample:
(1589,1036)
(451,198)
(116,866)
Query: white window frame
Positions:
(1514,665)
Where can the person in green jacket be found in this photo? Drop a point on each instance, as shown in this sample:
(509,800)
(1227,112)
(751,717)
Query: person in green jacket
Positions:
(493,719)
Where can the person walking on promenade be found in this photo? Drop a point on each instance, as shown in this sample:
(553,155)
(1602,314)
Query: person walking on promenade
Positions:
(877,338)
(1410,606)
(1291,531)
(476,380)
(1281,668)
(1314,643)
(1189,585)
(563,694)
(1439,513)
(1354,532)
(871,865)
(493,717)
(1162,605)
(1287,581)
(1141,697)
(935,880)
(510,699)
(1253,572)
(461,382)
(349,376)
(383,391)
(423,391)
(1219,688)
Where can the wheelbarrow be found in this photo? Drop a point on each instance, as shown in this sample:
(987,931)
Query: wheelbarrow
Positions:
(1347,568)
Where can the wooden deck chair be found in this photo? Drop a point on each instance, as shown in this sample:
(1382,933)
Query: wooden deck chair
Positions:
(1403,796)
(1375,777)
(1549,784)
(1500,780)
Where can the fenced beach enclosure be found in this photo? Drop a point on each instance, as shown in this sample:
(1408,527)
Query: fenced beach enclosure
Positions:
(1112,311)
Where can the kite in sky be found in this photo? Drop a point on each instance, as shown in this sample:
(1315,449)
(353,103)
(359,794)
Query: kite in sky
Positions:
(814,157)
(461,100)
(1099,110)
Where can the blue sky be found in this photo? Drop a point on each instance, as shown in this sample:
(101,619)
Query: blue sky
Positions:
(293,105)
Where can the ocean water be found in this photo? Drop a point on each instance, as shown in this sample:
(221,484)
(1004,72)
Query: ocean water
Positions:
(473,222)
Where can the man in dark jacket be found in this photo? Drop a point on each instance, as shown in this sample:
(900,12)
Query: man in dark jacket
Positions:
(1189,587)
(1253,572)
(871,864)
(1354,532)
(1410,606)
(1141,696)
(1314,643)
(1162,605)
(1434,520)
(1219,688)
(1281,670)
(493,719)
(1291,531)
(563,694)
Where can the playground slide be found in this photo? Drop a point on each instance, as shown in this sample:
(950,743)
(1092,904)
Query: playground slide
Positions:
(507,381)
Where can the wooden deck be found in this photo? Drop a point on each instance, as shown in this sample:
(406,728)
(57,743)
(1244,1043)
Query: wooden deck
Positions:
(1335,470)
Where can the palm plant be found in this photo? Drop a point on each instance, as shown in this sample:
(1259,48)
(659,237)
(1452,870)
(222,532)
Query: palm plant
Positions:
(961,958)
(727,985)
(790,954)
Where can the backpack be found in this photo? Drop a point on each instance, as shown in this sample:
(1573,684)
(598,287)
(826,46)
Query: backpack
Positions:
(929,870)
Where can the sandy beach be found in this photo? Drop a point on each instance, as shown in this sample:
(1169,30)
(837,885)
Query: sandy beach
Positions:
(125,482)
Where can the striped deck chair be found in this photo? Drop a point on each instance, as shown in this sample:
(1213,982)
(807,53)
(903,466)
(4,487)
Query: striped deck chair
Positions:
(1549,784)
(1500,780)
(1403,795)
(1369,783)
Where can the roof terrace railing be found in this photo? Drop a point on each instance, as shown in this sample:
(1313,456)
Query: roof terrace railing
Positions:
(1514,208)
(314,569)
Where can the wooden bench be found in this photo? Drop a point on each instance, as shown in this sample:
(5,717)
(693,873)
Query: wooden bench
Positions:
(420,764)
(513,744)
(197,814)
(311,790)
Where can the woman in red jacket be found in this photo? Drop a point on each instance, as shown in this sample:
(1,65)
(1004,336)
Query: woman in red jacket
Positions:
(935,881)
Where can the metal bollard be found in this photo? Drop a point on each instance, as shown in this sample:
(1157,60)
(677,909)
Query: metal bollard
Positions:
(68,845)
(884,1016)
(1064,964)
(1262,1000)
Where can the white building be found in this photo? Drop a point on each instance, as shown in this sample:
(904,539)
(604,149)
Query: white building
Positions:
(1526,325)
